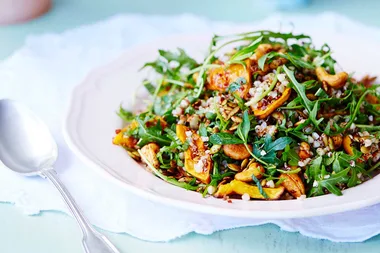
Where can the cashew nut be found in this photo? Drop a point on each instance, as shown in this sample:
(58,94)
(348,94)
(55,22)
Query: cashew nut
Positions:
(150,154)
(335,81)
(337,141)
(293,184)
(347,145)
(253,169)
(304,150)
(237,151)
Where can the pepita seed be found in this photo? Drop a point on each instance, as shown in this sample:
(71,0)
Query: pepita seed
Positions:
(233,112)
(234,127)
(215,149)
(264,182)
(331,144)
(244,163)
(234,167)
(325,140)
(299,122)
(365,150)
(236,119)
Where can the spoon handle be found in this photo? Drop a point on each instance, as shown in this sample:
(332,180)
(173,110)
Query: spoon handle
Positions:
(93,241)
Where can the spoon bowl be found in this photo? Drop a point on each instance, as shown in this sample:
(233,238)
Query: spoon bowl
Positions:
(26,144)
(27,147)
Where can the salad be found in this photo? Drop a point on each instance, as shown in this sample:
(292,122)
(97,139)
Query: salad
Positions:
(265,115)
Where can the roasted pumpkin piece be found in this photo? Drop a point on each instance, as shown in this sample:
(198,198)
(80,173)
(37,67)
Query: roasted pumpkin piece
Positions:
(347,145)
(220,78)
(123,140)
(335,81)
(149,151)
(239,187)
(293,184)
(262,114)
(253,169)
(237,151)
(195,158)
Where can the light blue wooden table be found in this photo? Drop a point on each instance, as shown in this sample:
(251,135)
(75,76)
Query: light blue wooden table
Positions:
(58,233)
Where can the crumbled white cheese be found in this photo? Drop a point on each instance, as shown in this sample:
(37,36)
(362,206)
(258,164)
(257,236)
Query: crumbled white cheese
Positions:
(302,197)
(211,189)
(270,184)
(245,197)
(367,142)
(315,135)
(204,138)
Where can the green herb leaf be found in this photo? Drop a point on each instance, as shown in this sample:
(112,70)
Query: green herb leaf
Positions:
(258,184)
(125,115)
(244,127)
(202,130)
(278,144)
(225,138)
(150,87)
(300,89)
(314,170)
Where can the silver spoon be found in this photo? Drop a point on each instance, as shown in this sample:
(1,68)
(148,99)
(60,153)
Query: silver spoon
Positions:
(27,147)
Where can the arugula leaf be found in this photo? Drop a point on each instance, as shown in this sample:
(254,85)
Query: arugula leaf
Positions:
(181,57)
(300,89)
(314,170)
(202,130)
(151,134)
(329,183)
(278,144)
(295,60)
(246,52)
(150,87)
(262,60)
(225,138)
(290,155)
(258,184)
(244,127)
(125,115)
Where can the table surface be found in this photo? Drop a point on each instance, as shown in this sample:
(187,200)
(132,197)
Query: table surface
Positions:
(58,233)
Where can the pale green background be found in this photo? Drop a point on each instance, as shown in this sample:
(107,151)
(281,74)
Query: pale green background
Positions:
(58,233)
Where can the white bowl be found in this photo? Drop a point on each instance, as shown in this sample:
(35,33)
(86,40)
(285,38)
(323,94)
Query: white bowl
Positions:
(92,120)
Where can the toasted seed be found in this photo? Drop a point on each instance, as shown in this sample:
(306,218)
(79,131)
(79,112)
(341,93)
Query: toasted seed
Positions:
(325,139)
(233,112)
(365,150)
(224,102)
(215,149)
(236,119)
(232,105)
(233,167)
(234,127)
(331,144)
(299,122)
(244,163)
(263,182)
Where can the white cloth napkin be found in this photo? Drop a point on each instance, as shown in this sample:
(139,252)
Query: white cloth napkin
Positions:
(44,71)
